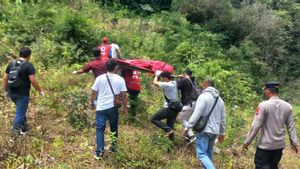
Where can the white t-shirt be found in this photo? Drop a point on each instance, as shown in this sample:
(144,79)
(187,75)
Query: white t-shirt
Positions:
(105,96)
(114,50)
(170,90)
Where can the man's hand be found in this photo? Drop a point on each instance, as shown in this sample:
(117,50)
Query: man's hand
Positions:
(295,149)
(221,138)
(124,110)
(158,72)
(6,96)
(185,131)
(92,106)
(245,147)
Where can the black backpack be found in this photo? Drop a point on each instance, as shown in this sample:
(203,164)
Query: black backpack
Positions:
(14,77)
(196,91)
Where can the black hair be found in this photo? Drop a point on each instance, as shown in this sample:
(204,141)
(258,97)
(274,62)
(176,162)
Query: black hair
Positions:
(166,74)
(209,82)
(188,72)
(96,52)
(111,64)
(25,52)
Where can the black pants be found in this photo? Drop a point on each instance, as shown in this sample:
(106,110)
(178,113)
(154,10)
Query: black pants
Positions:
(267,159)
(165,113)
(133,98)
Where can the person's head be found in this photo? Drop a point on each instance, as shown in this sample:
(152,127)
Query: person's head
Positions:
(166,76)
(105,40)
(111,65)
(25,52)
(96,52)
(188,72)
(207,83)
(271,89)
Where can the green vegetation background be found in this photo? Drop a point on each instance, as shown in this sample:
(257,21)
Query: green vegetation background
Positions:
(240,44)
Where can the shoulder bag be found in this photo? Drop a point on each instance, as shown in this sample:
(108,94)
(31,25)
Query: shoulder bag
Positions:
(117,99)
(201,123)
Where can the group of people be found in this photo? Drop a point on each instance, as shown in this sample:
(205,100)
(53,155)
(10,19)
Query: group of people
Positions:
(110,89)
(102,54)
(192,110)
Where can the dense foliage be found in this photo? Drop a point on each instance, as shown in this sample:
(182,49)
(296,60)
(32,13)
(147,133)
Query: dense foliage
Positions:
(240,44)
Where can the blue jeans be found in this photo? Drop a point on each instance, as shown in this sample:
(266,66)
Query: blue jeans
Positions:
(112,115)
(21,103)
(204,149)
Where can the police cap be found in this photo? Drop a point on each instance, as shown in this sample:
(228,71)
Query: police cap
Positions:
(272,85)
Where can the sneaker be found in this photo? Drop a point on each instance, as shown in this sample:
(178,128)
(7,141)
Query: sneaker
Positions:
(23,132)
(98,156)
(168,134)
(191,140)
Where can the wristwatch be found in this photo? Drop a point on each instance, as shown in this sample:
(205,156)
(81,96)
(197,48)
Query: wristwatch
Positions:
(92,104)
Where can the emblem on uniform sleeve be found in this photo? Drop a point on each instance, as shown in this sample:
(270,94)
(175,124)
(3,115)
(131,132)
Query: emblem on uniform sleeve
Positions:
(257,111)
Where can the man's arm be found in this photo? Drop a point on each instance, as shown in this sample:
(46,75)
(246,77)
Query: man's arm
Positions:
(292,132)
(124,102)
(92,99)
(256,125)
(5,82)
(155,81)
(85,69)
(199,109)
(35,83)
(80,71)
(222,126)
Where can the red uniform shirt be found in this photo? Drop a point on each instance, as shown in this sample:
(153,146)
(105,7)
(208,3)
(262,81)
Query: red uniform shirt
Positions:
(97,66)
(104,49)
(132,80)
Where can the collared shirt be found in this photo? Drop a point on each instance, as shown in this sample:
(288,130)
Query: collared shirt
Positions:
(270,118)
(97,66)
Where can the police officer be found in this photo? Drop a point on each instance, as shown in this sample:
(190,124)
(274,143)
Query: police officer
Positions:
(271,116)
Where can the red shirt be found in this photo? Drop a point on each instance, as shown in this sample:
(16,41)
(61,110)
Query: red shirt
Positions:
(132,80)
(97,66)
(104,49)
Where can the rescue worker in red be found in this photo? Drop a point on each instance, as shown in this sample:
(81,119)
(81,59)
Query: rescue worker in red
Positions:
(104,49)
(97,66)
(133,85)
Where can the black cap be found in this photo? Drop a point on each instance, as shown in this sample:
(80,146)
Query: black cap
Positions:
(166,74)
(272,85)
(188,72)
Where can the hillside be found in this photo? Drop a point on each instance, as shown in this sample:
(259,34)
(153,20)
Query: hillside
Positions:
(240,46)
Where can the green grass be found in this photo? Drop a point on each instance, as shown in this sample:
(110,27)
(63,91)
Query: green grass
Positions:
(296,109)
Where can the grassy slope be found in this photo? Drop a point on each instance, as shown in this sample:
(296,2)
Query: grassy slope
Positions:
(53,143)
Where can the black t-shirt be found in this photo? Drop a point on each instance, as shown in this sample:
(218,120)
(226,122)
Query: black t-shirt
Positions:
(26,69)
(186,88)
